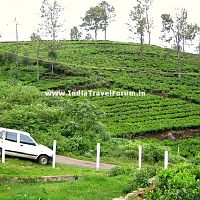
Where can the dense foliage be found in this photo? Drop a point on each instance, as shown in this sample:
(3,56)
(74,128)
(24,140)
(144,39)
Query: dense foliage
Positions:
(76,126)
(180,182)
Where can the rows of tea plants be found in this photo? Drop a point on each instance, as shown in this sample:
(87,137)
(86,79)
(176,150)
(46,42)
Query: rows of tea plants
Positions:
(97,59)
(138,115)
(90,65)
(110,55)
(48,81)
(186,88)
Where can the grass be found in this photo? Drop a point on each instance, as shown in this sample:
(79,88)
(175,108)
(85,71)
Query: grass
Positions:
(90,188)
(93,186)
(24,168)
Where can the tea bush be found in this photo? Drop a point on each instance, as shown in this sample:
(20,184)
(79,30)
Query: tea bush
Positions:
(140,178)
(179,182)
(119,170)
(152,152)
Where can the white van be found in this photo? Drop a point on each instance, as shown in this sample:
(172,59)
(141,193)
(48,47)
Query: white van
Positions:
(21,144)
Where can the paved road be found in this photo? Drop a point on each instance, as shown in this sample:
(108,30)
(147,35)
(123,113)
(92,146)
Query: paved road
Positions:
(81,163)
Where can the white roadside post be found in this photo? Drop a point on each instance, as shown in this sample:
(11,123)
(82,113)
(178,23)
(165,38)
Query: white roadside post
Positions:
(54,154)
(166,159)
(140,157)
(3,148)
(98,157)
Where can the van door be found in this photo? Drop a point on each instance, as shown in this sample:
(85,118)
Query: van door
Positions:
(11,145)
(28,147)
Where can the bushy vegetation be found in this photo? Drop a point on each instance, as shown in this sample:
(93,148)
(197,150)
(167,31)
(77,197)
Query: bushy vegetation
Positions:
(110,55)
(179,182)
(140,179)
(76,125)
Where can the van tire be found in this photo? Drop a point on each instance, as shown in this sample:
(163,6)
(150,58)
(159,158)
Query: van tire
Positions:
(43,159)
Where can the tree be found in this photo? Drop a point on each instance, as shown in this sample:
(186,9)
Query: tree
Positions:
(139,22)
(198,47)
(170,26)
(93,19)
(51,25)
(88,36)
(191,33)
(182,18)
(107,15)
(37,39)
(75,34)
(178,31)
(17,49)
(198,42)
(149,22)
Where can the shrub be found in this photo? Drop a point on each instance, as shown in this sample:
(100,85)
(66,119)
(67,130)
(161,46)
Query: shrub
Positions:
(179,182)
(82,127)
(152,152)
(196,160)
(140,179)
(119,171)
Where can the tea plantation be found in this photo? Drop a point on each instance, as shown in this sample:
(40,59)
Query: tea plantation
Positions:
(171,104)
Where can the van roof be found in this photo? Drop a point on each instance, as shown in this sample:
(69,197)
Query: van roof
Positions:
(13,130)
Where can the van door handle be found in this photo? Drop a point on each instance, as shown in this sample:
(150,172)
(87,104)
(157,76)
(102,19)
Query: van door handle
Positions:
(21,145)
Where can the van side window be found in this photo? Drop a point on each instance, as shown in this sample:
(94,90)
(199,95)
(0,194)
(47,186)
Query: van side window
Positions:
(11,136)
(1,135)
(25,139)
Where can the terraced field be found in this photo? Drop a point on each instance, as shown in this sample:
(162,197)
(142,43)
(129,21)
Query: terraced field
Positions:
(186,88)
(131,116)
(110,55)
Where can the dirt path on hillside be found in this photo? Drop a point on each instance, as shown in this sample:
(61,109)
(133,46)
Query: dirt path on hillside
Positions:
(174,135)
(81,163)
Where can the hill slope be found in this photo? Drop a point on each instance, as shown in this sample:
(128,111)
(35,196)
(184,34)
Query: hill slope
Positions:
(170,103)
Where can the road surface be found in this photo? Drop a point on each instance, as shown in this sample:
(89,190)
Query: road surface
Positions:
(81,163)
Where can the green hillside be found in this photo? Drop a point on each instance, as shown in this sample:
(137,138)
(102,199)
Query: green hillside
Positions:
(170,103)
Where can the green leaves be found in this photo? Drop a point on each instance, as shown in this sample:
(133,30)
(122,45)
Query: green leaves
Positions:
(132,116)
(93,19)
(140,179)
(75,34)
(76,125)
(177,183)
(98,17)
(82,127)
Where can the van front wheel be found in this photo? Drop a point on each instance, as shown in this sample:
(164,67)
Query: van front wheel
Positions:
(43,159)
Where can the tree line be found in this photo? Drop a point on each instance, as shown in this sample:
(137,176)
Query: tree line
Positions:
(176,30)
